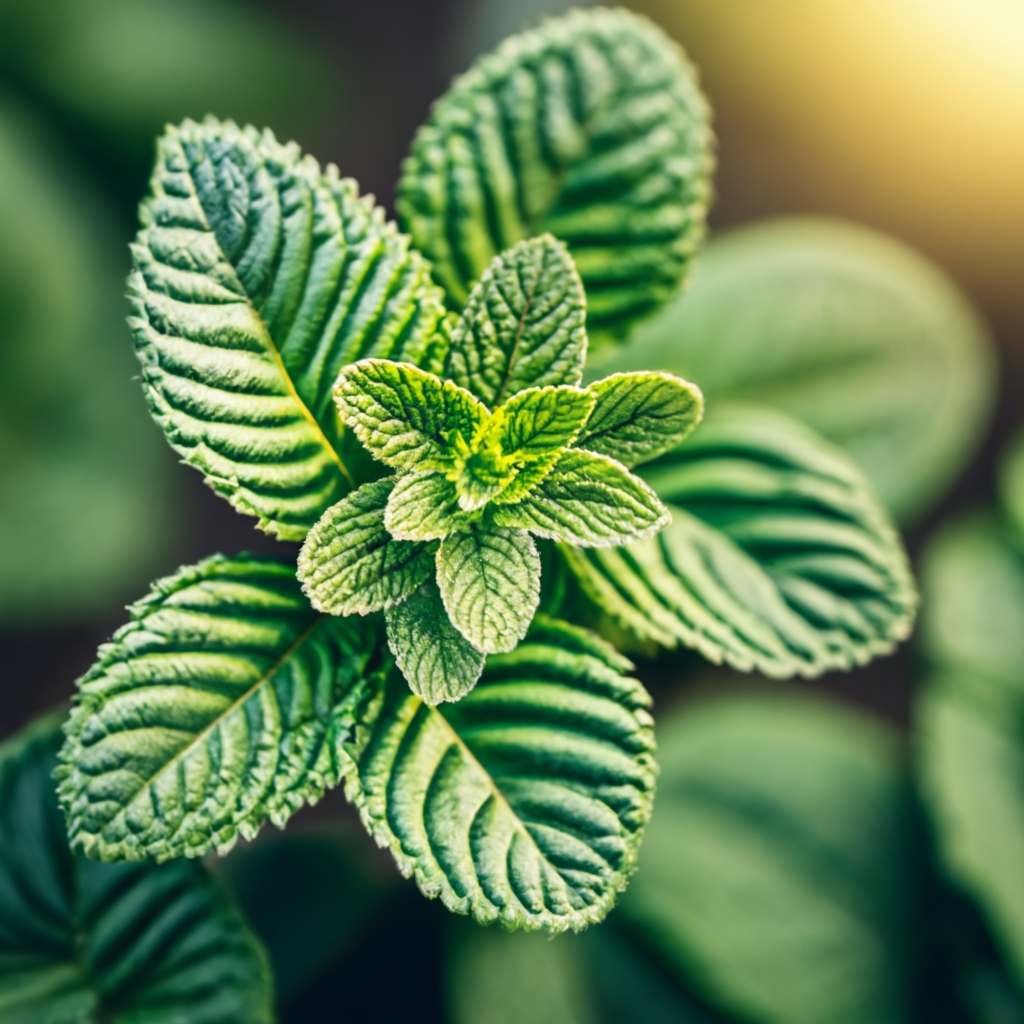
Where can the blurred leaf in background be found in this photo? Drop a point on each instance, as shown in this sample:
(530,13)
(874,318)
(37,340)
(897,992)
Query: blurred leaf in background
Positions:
(84,500)
(970,717)
(851,332)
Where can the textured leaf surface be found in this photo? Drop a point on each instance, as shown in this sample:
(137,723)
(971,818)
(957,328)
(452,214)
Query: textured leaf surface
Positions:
(425,506)
(540,420)
(406,417)
(490,583)
(350,564)
(438,662)
(778,873)
(778,558)
(845,329)
(257,277)
(590,127)
(220,704)
(968,719)
(589,500)
(523,325)
(526,800)
(638,416)
(88,943)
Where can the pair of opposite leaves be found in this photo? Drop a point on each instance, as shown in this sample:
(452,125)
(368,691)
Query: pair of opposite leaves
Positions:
(444,546)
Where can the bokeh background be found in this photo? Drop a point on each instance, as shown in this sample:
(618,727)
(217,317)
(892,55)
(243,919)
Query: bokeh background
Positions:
(904,115)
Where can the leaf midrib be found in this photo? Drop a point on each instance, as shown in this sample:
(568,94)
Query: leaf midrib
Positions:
(520,327)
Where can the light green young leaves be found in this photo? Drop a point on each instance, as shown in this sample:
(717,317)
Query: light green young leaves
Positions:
(82,941)
(526,800)
(523,325)
(480,481)
(590,127)
(220,704)
(778,557)
(257,277)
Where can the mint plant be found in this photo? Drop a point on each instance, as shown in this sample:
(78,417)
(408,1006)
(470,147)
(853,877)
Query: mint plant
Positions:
(444,547)
(417,412)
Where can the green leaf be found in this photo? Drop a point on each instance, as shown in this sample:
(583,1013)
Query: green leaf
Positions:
(638,416)
(84,479)
(847,330)
(525,801)
(590,127)
(220,704)
(1011,485)
(779,874)
(542,420)
(406,417)
(425,506)
(523,325)
(84,942)
(257,277)
(967,720)
(350,564)
(778,557)
(589,500)
(438,662)
(490,584)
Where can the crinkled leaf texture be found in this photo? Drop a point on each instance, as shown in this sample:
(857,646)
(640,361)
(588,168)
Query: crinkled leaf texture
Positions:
(438,662)
(222,703)
(967,719)
(778,557)
(83,942)
(779,873)
(257,277)
(349,563)
(525,801)
(590,127)
(849,331)
(523,326)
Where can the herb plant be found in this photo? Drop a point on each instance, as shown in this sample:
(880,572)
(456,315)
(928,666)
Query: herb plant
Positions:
(418,412)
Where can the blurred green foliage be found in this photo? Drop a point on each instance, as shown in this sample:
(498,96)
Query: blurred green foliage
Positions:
(848,330)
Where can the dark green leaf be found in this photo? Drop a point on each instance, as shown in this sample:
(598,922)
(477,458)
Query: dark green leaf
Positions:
(425,506)
(848,331)
(522,326)
(777,874)
(490,583)
(778,557)
(406,417)
(589,500)
(590,127)
(638,416)
(257,277)
(525,801)
(350,564)
(438,662)
(84,943)
(222,703)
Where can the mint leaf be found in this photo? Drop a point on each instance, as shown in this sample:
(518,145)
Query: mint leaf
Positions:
(539,421)
(219,705)
(525,801)
(438,663)
(778,557)
(638,416)
(425,506)
(406,417)
(252,268)
(350,564)
(82,941)
(766,799)
(590,127)
(523,325)
(589,500)
(490,583)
